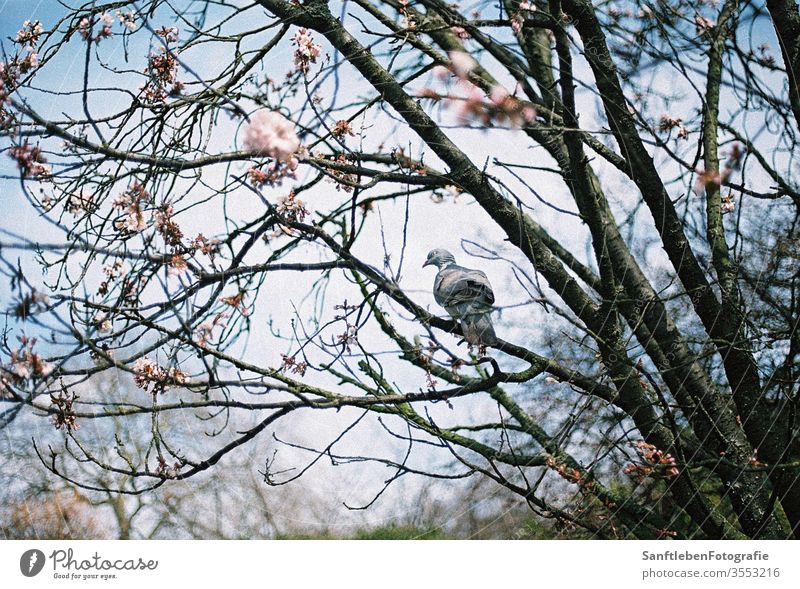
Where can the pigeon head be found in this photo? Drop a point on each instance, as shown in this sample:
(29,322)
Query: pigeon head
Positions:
(439,258)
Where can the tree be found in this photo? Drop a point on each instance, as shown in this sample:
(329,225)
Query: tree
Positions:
(240,191)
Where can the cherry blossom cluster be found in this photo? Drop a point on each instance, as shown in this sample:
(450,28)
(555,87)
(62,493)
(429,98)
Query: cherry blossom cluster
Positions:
(105,22)
(112,272)
(127,19)
(518,18)
(728,205)
(271,134)
(177,265)
(167,227)
(169,34)
(204,332)
(28,38)
(292,208)
(166,471)
(306,51)
(6,87)
(237,302)
(348,338)
(408,21)
(30,161)
(569,473)
(707,178)
(754,460)
(451,190)
(472,104)
(30,33)
(30,304)
(293,365)
(341,128)
(703,24)
(204,245)
(654,461)
(8,80)
(667,123)
(102,322)
(343,179)
(26,364)
(162,70)
(271,174)
(79,203)
(425,356)
(350,335)
(132,203)
(64,416)
(24,60)
(147,372)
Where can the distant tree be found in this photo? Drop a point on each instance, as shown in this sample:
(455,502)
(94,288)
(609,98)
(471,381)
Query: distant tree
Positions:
(59,516)
(241,191)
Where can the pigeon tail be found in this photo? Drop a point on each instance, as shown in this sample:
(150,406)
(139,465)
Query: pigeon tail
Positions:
(478,329)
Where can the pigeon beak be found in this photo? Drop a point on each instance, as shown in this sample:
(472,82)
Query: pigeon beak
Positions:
(427,263)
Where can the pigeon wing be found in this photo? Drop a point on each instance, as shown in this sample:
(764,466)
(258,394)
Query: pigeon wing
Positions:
(457,289)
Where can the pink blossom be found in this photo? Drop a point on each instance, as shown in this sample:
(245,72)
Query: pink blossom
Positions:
(177,266)
(461,33)
(30,161)
(45,368)
(728,204)
(408,21)
(102,322)
(498,94)
(127,19)
(84,28)
(203,333)
(440,72)
(270,133)
(461,63)
(144,365)
(429,93)
(33,58)
(113,270)
(26,364)
(703,24)
(133,222)
(292,207)
(30,32)
(528,113)
(307,51)
(21,371)
(472,105)
(79,203)
(132,200)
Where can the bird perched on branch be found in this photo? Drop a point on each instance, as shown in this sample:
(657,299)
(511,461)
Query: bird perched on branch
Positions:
(466,295)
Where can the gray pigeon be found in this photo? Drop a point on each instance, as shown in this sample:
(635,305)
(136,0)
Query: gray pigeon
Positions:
(465,294)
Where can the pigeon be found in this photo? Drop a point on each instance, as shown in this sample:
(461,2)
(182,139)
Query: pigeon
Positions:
(466,295)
